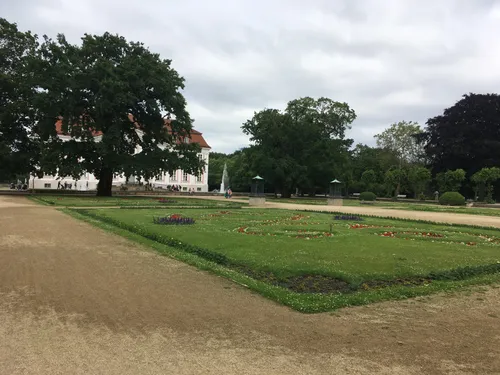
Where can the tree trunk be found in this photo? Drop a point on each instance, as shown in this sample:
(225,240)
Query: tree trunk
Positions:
(396,193)
(286,193)
(105,183)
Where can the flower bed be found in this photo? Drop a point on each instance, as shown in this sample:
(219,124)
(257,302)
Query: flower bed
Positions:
(362,226)
(173,220)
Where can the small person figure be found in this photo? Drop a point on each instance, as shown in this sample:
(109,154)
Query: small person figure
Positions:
(229,193)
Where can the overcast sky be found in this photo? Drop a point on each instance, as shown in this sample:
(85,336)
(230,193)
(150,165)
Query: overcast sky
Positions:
(390,60)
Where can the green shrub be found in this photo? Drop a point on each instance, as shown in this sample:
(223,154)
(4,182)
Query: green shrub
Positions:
(452,198)
(367,196)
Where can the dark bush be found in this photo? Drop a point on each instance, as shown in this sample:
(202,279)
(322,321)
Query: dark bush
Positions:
(173,220)
(452,198)
(367,196)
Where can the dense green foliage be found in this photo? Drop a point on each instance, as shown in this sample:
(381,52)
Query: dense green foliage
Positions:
(302,147)
(17,50)
(450,180)
(238,166)
(466,136)
(419,178)
(484,180)
(122,90)
(452,198)
(367,196)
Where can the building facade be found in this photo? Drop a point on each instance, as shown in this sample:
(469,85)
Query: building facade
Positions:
(179,179)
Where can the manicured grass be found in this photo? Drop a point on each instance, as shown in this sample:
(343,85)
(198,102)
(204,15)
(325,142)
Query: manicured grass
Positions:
(310,261)
(129,201)
(400,205)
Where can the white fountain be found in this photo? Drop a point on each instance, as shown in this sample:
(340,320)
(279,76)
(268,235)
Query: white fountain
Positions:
(224,181)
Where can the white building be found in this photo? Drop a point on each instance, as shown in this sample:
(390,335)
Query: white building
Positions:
(88,181)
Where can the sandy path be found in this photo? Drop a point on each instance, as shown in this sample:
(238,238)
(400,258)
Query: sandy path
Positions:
(77,300)
(443,217)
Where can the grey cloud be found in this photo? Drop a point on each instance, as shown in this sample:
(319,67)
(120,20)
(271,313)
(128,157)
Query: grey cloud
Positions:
(390,60)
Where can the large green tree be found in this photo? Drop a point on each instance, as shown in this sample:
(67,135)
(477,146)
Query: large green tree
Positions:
(451,180)
(240,169)
(303,146)
(365,158)
(120,92)
(419,177)
(215,169)
(466,135)
(484,180)
(402,139)
(17,150)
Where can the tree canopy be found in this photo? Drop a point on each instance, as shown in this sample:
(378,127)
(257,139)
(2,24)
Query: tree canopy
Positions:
(484,180)
(466,136)
(303,146)
(113,97)
(17,152)
(402,139)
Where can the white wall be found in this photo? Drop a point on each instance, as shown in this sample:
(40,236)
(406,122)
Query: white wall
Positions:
(89,182)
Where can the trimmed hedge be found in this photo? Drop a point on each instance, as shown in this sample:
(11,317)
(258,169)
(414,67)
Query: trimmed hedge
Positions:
(367,196)
(452,198)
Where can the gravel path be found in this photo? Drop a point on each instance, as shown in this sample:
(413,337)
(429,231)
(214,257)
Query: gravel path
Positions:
(77,300)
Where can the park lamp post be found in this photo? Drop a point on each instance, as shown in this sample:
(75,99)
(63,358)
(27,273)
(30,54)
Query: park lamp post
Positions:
(335,193)
(257,196)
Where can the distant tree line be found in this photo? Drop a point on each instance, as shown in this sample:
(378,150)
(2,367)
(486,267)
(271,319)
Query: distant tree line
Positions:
(303,147)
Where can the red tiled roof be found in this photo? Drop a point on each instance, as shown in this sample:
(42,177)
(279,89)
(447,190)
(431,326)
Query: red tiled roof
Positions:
(195,136)
(60,132)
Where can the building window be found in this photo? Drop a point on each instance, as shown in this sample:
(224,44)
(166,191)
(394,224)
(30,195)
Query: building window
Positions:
(47,185)
(198,189)
(184,188)
(199,178)
(185,177)
(186,139)
(173,178)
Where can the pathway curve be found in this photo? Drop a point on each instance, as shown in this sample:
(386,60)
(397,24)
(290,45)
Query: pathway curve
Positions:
(77,300)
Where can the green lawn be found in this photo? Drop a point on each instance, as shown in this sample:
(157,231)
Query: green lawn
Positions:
(396,206)
(129,201)
(312,262)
